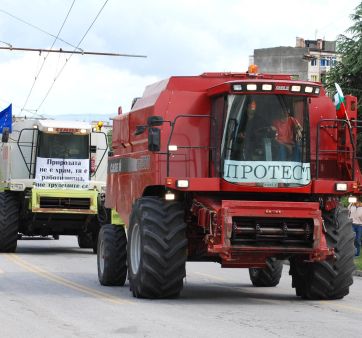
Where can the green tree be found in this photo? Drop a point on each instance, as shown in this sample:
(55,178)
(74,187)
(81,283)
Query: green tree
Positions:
(348,69)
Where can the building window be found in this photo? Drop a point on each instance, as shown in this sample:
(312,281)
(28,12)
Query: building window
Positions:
(313,62)
(314,78)
(326,62)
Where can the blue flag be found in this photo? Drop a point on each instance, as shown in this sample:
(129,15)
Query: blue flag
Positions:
(6,118)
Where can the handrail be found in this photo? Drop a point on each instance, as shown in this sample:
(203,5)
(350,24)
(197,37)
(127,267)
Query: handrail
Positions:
(319,151)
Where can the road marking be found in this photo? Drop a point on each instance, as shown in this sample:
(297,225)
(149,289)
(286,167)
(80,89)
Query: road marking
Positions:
(65,282)
(210,276)
(342,306)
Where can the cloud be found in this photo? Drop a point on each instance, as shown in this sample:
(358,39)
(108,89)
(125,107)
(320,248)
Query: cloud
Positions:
(179,38)
(91,88)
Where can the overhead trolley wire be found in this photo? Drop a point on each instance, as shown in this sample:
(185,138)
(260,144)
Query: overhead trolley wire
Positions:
(37,28)
(45,58)
(75,48)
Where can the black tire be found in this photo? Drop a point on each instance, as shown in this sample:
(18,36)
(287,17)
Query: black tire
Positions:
(268,276)
(157,248)
(332,278)
(85,240)
(112,255)
(9,221)
(95,241)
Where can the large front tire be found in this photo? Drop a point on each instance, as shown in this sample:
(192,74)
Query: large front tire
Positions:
(9,221)
(112,255)
(332,278)
(268,276)
(157,248)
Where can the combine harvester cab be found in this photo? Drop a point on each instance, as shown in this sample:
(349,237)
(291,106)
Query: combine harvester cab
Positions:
(52,181)
(242,169)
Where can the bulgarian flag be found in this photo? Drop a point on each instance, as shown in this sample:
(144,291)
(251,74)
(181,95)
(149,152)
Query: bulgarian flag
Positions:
(340,103)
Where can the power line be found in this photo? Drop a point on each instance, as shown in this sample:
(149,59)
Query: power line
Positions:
(66,61)
(60,50)
(37,28)
(45,58)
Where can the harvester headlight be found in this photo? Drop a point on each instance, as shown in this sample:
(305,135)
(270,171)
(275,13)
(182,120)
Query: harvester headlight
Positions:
(50,129)
(341,186)
(295,88)
(267,86)
(83,131)
(237,87)
(169,196)
(308,89)
(251,86)
(172,147)
(17,187)
(182,183)
(352,199)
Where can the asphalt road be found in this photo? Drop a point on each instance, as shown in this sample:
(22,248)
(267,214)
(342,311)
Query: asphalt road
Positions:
(50,289)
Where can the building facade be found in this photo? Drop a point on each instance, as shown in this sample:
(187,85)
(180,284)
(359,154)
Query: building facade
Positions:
(308,60)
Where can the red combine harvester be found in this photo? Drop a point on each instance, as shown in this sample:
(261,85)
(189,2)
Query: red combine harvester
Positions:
(241,169)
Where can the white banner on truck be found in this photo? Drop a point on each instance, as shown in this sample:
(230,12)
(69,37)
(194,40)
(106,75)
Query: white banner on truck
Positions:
(267,172)
(56,173)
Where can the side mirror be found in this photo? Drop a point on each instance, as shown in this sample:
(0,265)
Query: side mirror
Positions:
(5,135)
(93,149)
(154,139)
(140,130)
(154,121)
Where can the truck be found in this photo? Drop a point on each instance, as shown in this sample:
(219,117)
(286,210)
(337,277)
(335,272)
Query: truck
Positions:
(52,181)
(195,178)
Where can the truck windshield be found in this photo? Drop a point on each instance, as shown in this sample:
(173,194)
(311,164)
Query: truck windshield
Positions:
(64,146)
(265,140)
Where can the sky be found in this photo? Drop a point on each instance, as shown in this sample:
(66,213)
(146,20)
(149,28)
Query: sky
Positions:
(186,37)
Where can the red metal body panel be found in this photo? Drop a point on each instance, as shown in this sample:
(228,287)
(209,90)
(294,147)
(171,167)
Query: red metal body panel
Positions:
(217,242)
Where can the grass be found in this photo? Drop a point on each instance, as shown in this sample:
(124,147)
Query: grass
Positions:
(358,262)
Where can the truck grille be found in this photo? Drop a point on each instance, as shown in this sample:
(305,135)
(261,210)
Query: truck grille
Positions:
(65,203)
(272,232)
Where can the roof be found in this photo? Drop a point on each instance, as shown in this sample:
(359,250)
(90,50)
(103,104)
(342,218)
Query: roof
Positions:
(44,124)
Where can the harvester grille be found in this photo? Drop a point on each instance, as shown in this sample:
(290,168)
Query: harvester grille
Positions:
(272,232)
(65,203)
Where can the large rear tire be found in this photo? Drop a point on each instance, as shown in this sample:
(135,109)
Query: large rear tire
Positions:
(268,276)
(9,221)
(157,248)
(112,255)
(332,278)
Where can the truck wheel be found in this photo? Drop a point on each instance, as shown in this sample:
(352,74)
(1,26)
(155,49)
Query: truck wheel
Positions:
(95,241)
(85,240)
(157,248)
(332,278)
(9,221)
(112,255)
(268,276)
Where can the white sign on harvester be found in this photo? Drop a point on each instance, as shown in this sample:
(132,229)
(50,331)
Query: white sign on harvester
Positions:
(57,173)
(267,172)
